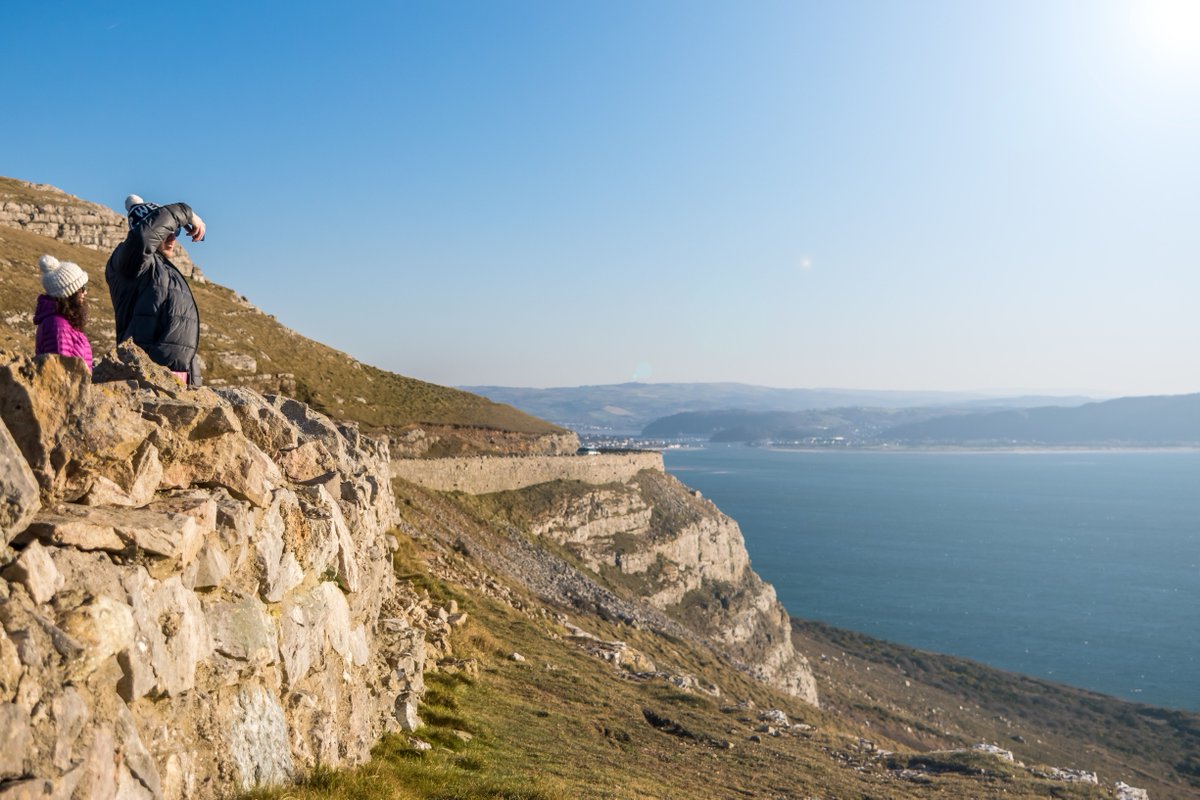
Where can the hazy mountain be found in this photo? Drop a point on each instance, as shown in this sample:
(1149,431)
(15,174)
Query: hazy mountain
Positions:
(1166,420)
(630,407)
(750,426)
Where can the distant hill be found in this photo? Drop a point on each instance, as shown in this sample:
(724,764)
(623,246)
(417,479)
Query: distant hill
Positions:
(239,344)
(1129,421)
(630,407)
(783,426)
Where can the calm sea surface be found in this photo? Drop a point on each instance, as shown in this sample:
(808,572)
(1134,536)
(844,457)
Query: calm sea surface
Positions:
(1081,567)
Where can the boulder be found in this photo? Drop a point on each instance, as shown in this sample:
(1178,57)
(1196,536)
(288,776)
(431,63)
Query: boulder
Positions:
(128,363)
(69,431)
(18,488)
(231,461)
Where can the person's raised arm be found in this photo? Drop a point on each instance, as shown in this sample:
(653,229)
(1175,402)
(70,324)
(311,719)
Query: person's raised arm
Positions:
(144,239)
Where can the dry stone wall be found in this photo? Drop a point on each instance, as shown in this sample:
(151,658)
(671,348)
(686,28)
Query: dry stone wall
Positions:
(58,215)
(196,593)
(487,474)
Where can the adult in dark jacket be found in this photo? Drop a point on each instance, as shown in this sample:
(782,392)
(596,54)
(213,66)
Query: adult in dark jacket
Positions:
(151,299)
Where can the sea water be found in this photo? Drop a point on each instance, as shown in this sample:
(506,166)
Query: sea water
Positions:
(1080,567)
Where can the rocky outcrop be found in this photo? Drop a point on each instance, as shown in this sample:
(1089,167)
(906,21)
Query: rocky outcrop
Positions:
(198,595)
(653,541)
(47,211)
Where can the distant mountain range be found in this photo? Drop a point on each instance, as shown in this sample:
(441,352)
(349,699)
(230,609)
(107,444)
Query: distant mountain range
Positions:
(1130,421)
(629,407)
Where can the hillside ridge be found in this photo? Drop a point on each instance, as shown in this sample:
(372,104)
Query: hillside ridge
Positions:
(241,345)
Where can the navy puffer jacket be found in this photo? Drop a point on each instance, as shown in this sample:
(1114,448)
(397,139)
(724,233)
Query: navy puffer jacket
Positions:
(151,299)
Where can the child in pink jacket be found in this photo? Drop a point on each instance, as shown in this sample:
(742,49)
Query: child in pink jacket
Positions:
(62,311)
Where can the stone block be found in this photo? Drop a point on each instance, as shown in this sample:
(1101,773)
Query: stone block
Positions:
(14,740)
(70,714)
(35,570)
(262,423)
(243,631)
(231,461)
(134,487)
(257,737)
(163,534)
(209,570)
(103,627)
(171,637)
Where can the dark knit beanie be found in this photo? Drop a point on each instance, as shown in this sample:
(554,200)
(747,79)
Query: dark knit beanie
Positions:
(138,210)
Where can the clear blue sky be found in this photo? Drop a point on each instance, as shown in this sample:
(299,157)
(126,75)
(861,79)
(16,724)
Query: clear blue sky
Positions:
(892,195)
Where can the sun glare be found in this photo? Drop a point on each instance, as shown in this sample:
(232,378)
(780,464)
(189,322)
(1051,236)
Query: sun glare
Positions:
(1171,28)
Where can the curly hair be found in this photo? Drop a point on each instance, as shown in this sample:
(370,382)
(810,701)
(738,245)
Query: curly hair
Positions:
(74,308)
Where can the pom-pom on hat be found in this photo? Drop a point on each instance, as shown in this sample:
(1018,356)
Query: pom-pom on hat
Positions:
(61,278)
(138,210)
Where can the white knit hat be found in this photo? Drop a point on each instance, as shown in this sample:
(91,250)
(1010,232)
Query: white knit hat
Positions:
(61,279)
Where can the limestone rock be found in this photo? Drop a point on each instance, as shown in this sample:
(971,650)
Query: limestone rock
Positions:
(263,423)
(100,764)
(172,637)
(279,569)
(210,569)
(243,631)
(18,488)
(35,569)
(330,531)
(1127,792)
(70,714)
(129,363)
(104,627)
(10,668)
(231,461)
(134,486)
(14,737)
(258,740)
(163,534)
(68,431)
(238,362)
(311,622)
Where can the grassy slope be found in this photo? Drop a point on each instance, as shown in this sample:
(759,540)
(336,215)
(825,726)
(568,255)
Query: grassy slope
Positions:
(330,380)
(563,725)
(920,701)
(926,701)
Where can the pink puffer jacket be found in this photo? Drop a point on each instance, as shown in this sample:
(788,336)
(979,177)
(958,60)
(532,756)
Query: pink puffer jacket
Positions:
(56,335)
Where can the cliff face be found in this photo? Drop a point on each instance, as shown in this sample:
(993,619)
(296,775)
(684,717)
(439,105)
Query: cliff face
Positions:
(198,594)
(651,541)
(50,212)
